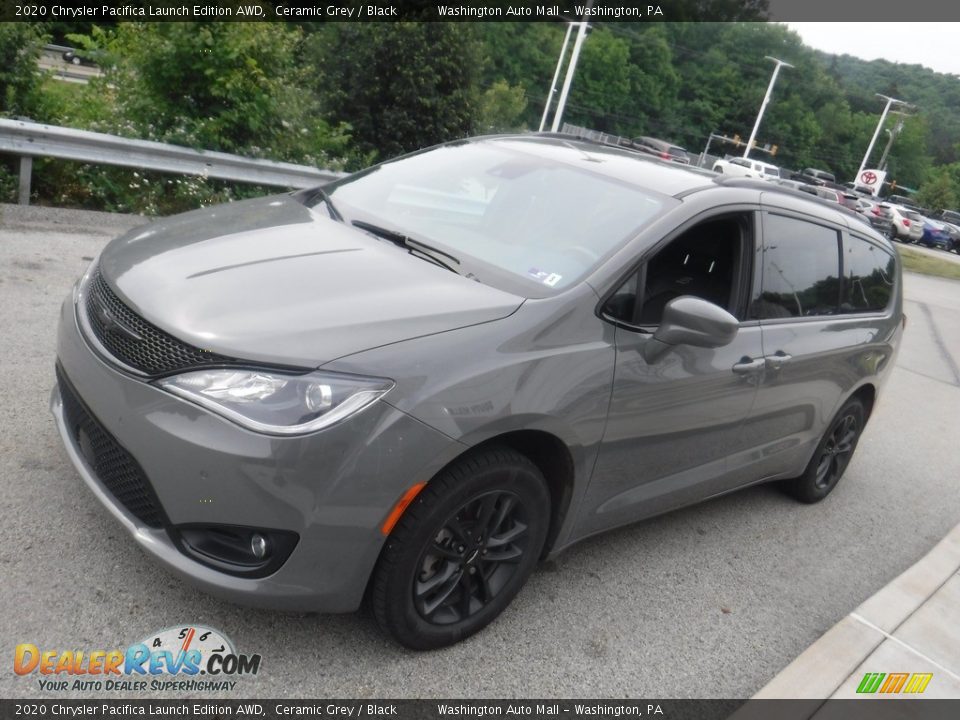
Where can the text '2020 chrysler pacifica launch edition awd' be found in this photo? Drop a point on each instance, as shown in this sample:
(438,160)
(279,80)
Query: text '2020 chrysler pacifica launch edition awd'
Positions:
(413,383)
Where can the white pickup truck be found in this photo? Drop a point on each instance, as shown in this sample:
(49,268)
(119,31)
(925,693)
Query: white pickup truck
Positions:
(744,167)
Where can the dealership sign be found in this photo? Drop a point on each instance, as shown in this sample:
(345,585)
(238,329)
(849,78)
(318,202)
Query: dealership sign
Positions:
(871,181)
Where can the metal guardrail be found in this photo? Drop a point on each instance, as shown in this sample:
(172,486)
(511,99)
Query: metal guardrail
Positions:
(29,140)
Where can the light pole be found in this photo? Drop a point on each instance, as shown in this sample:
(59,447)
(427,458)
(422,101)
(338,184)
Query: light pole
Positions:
(568,80)
(766,99)
(883,117)
(893,136)
(556,76)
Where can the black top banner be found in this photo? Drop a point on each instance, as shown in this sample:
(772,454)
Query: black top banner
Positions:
(111,11)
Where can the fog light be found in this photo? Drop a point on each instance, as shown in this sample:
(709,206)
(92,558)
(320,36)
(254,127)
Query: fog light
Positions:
(234,549)
(258,546)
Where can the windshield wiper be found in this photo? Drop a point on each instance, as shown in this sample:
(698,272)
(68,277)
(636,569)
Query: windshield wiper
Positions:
(313,195)
(428,252)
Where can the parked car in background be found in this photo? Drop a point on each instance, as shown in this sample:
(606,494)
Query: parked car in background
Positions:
(907,224)
(662,149)
(847,199)
(879,216)
(825,193)
(413,383)
(950,218)
(954,232)
(902,200)
(745,167)
(947,216)
(792,184)
(936,235)
(815,177)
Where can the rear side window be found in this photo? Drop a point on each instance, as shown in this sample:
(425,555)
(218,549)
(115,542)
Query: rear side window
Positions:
(801,269)
(868,276)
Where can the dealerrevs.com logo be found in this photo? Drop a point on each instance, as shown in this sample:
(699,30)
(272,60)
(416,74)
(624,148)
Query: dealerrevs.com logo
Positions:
(190,658)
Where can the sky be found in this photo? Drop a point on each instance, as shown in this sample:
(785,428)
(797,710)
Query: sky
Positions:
(931,44)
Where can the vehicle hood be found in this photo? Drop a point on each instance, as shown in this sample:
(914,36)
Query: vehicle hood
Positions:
(271,280)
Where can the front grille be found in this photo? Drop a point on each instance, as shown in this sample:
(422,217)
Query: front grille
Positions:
(136,342)
(113,465)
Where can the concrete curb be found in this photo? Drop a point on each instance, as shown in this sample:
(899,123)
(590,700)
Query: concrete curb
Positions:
(823,668)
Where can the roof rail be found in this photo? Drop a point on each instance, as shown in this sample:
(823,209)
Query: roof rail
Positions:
(767,186)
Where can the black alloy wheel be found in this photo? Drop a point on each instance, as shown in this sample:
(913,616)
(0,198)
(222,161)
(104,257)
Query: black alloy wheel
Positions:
(837,451)
(832,456)
(462,549)
(472,558)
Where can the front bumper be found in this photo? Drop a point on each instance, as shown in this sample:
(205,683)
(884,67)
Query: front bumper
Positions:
(333,488)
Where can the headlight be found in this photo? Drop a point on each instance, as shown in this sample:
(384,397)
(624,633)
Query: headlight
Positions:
(276,403)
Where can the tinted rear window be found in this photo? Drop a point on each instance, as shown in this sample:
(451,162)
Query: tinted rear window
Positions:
(868,276)
(801,269)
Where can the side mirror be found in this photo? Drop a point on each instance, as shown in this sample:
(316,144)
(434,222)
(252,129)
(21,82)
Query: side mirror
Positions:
(689,320)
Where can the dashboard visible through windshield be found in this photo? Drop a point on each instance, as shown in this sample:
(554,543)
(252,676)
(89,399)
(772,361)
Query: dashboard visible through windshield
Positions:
(503,211)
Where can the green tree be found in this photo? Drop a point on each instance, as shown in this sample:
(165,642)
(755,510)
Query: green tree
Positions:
(600,94)
(524,55)
(400,86)
(20,45)
(501,107)
(910,161)
(234,87)
(938,193)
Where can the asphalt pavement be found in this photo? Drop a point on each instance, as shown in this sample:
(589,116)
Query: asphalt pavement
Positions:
(711,601)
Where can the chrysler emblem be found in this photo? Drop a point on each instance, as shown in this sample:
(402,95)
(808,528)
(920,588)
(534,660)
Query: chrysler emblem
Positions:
(112,325)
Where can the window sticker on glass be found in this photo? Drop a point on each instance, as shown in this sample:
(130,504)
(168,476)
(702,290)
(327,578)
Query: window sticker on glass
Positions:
(545,277)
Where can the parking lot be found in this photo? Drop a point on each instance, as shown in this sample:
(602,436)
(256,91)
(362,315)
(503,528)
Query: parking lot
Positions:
(711,601)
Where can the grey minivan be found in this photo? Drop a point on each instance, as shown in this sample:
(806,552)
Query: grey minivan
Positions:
(413,383)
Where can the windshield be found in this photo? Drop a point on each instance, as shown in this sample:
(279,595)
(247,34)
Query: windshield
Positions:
(506,214)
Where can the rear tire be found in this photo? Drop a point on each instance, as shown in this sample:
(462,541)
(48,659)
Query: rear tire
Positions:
(462,550)
(832,455)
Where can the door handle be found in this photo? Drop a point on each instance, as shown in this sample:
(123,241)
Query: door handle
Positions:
(777,360)
(748,365)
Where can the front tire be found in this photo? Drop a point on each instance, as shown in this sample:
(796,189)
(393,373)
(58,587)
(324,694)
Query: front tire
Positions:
(832,455)
(462,550)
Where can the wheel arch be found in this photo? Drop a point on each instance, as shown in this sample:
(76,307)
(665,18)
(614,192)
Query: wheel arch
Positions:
(866,394)
(555,462)
(552,456)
